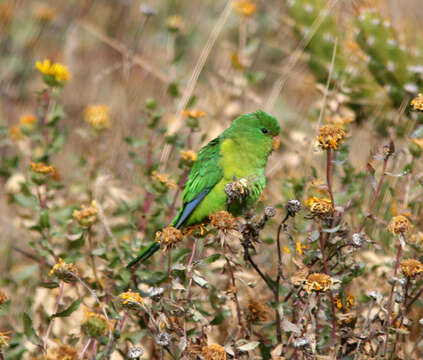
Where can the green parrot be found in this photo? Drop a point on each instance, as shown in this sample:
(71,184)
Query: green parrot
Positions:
(240,152)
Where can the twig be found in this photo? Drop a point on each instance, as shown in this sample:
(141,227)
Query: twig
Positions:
(91,255)
(81,355)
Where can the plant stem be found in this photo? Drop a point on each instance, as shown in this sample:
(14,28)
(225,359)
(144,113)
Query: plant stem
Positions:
(50,325)
(388,317)
(189,274)
(81,355)
(234,291)
(93,264)
(328,173)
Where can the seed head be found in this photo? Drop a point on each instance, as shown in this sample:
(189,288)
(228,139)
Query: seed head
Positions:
(399,225)
(292,207)
(163,339)
(213,352)
(64,271)
(411,268)
(330,136)
(135,352)
(156,293)
(318,282)
(168,237)
(223,220)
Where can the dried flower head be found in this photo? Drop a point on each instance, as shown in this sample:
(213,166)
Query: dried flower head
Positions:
(155,293)
(41,172)
(237,190)
(4,339)
(162,182)
(188,157)
(330,136)
(163,339)
(244,7)
(417,103)
(257,311)
(175,23)
(3,297)
(223,220)
(318,282)
(64,271)
(62,352)
(55,74)
(320,207)
(131,300)
(348,303)
(135,352)
(88,214)
(292,207)
(16,133)
(213,352)
(411,268)
(168,237)
(399,225)
(95,325)
(28,120)
(98,116)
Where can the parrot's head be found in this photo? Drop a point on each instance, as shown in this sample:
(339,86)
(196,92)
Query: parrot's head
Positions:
(259,128)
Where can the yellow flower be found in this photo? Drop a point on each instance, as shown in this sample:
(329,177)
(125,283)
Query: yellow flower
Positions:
(349,302)
(28,120)
(320,207)
(286,250)
(15,133)
(257,311)
(64,271)
(411,268)
(244,7)
(62,352)
(3,297)
(55,74)
(41,172)
(162,183)
(95,325)
(188,157)
(175,23)
(87,216)
(223,220)
(419,142)
(330,136)
(131,300)
(168,237)
(300,248)
(399,225)
(194,113)
(318,282)
(213,352)
(97,116)
(4,339)
(417,103)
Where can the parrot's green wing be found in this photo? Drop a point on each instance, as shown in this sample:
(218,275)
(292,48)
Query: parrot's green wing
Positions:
(205,174)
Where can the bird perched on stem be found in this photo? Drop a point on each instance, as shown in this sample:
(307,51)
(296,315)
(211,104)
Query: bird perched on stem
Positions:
(239,154)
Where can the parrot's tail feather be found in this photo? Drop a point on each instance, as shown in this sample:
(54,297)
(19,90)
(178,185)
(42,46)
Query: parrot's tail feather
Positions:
(149,251)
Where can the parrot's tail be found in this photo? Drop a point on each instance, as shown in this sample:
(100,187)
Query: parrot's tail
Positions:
(149,251)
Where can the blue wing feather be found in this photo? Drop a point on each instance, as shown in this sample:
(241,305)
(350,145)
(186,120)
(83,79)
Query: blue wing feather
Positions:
(189,208)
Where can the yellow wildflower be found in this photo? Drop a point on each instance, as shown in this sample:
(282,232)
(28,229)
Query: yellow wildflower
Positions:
(349,302)
(97,116)
(64,271)
(194,113)
(188,157)
(131,300)
(28,120)
(41,172)
(411,268)
(168,237)
(244,7)
(62,352)
(399,225)
(417,103)
(318,282)
(300,247)
(330,136)
(213,352)
(175,23)
(55,74)
(87,216)
(4,339)
(320,207)
(162,183)
(419,142)
(44,13)
(286,250)
(3,297)
(15,133)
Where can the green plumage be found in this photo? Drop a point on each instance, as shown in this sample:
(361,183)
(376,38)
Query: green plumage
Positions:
(241,151)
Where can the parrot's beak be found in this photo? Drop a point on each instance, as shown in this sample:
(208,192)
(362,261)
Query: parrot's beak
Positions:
(276,143)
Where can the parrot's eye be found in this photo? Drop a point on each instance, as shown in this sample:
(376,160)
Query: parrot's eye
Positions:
(264,130)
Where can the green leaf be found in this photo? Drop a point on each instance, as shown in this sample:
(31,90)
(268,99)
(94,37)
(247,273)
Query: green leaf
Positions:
(45,219)
(30,332)
(69,310)
(48,284)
